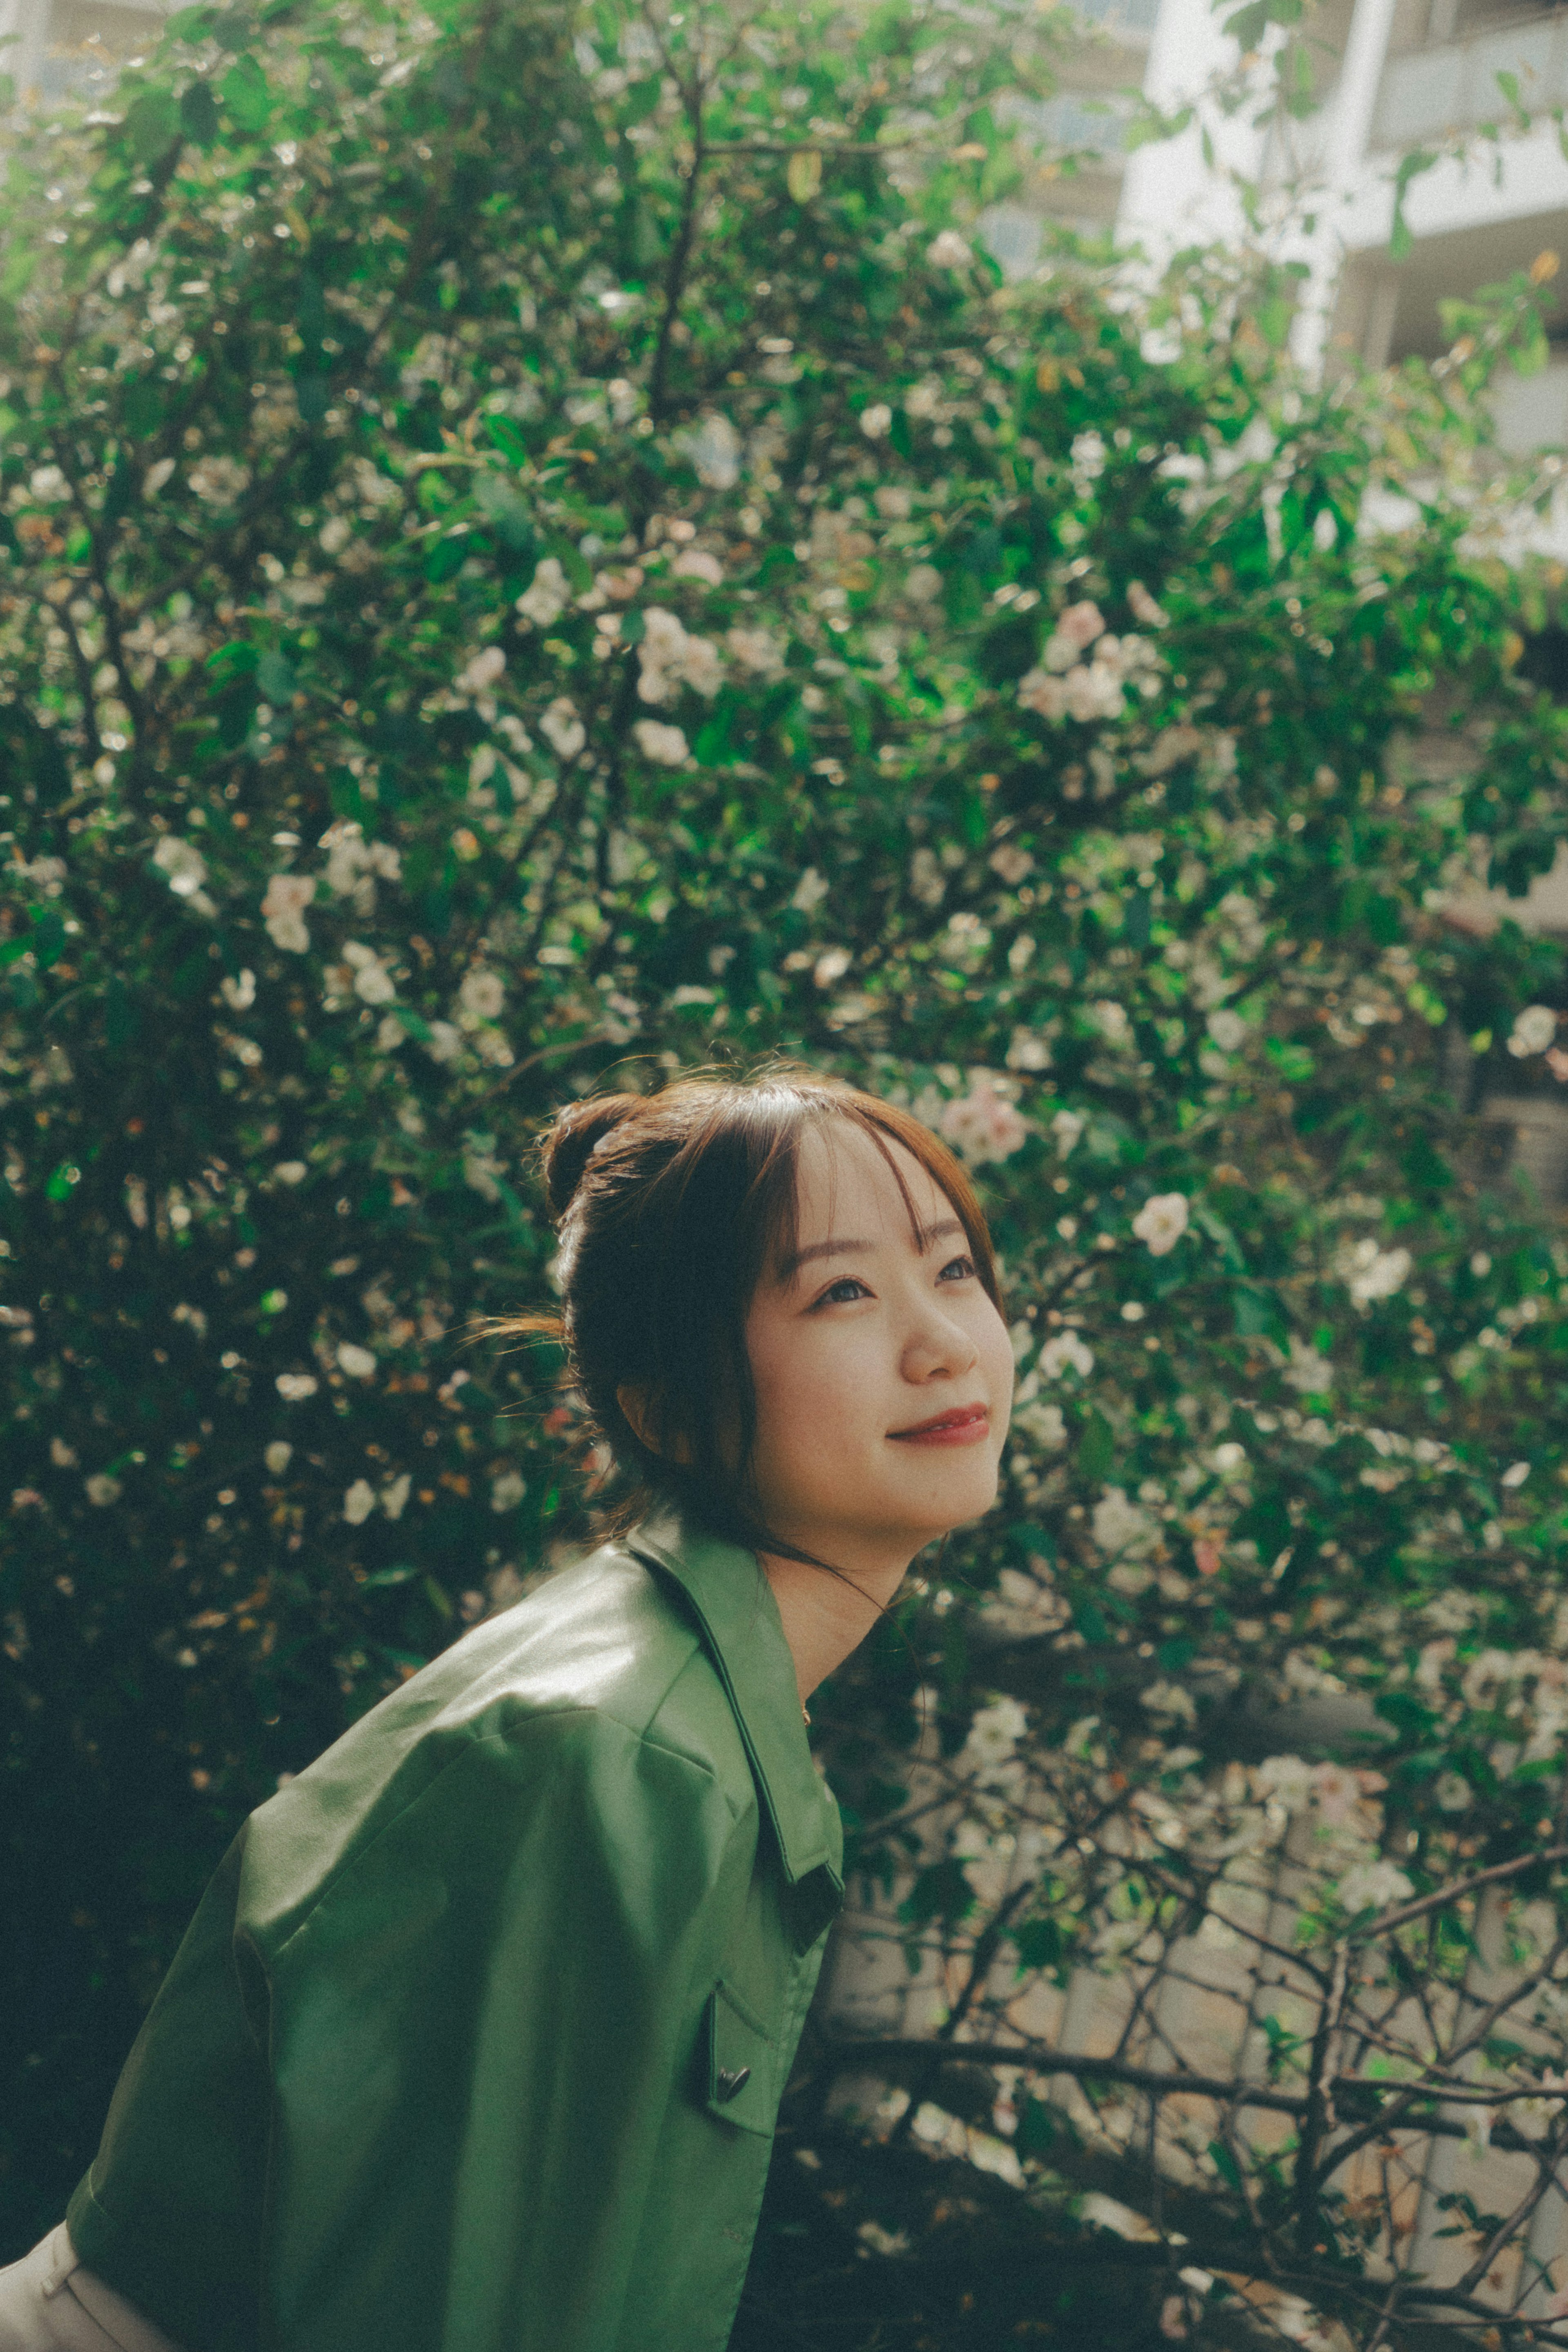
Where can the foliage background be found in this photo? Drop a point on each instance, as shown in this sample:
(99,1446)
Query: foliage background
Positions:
(538,550)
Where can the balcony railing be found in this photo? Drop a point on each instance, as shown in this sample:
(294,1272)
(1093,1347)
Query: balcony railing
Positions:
(1453,87)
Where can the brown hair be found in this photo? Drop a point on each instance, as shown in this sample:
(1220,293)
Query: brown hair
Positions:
(669,1208)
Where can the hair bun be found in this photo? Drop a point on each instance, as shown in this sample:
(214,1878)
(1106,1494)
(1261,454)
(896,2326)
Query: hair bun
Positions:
(570,1141)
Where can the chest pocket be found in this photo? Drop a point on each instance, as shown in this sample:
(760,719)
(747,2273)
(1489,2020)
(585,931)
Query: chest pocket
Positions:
(738,2062)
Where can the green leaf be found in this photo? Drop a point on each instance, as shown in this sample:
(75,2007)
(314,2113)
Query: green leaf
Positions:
(199,115)
(152,124)
(384,1577)
(640,99)
(48,937)
(804,176)
(1258,1312)
(63,1182)
(274,678)
(244,90)
(1096,1447)
(1039,1943)
(237,659)
(508,437)
(940,1892)
(1225,2164)
(1425,1168)
(446,558)
(1039,2128)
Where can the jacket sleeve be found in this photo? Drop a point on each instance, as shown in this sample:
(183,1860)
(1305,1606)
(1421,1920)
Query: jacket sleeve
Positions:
(474,2040)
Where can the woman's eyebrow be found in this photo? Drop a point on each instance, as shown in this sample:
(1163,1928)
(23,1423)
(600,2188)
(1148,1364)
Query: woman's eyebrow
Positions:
(925,1236)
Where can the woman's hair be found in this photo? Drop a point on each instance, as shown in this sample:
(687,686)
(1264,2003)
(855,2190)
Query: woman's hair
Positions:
(670,1207)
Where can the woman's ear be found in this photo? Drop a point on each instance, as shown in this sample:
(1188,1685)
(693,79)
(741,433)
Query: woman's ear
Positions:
(635,1400)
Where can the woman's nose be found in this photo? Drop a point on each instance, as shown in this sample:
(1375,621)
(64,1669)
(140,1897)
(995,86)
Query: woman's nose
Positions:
(937,1343)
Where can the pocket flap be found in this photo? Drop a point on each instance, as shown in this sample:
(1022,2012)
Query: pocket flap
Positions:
(739,2061)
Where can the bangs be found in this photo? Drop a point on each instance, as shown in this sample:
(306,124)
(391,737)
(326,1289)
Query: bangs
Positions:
(773,1203)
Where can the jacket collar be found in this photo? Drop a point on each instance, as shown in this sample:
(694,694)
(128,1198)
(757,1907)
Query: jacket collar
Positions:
(739,1619)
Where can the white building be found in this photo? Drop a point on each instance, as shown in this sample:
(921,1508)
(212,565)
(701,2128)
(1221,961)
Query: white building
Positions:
(1405,76)
(54,45)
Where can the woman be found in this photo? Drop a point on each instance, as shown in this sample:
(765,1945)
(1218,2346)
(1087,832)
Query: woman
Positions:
(478,2038)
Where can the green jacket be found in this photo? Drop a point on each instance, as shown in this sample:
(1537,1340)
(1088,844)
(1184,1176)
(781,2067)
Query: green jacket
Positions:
(476,2041)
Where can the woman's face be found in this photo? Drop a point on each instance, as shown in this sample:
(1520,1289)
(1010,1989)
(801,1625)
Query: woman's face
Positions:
(883,1373)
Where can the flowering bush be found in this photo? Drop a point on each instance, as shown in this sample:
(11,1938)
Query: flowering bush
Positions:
(537,552)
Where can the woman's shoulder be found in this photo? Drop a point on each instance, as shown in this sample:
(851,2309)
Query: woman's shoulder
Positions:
(593,1665)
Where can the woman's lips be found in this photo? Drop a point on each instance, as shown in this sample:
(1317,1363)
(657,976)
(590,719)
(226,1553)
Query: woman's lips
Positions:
(964,1425)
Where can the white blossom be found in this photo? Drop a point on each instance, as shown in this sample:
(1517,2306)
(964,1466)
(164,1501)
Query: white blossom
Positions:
(482,993)
(756,651)
(357,1361)
(445,1041)
(668,656)
(278,1455)
(218,481)
(983,1125)
(483,672)
(1067,1127)
(1533,1030)
(1310,1374)
(547,597)
(102,1490)
(1066,1352)
(1075,632)
(183,863)
(1027,1050)
(713,447)
(1372,1886)
(294,1387)
(1044,1423)
(1143,608)
(1371,1272)
(666,745)
(948,251)
(1119,1525)
(481,1168)
(1227,1028)
(395,1493)
(238,990)
(359,1502)
(1515,1474)
(290,1172)
(696,563)
(352,861)
(372,981)
(563,728)
(508,1491)
(1161,1222)
(283,910)
(876,422)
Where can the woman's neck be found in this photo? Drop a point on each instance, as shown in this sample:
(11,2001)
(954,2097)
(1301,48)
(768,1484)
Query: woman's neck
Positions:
(825,1617)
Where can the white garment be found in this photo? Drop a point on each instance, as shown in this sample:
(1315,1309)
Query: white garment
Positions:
(49,2303)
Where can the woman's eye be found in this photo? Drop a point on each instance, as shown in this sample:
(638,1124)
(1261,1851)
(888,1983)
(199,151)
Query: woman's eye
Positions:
(960,1268)
(844,1292)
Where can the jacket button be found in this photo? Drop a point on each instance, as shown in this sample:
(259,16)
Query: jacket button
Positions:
(732,2081)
